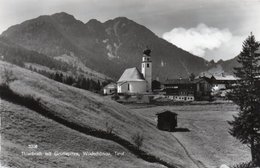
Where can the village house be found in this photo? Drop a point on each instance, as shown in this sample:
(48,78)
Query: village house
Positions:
(222,82)
(188,90)
(133,81)
(110,89)
(203,88)
(179,89)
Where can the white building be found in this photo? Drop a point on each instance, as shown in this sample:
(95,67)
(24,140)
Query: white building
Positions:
(133,81)
(109,89)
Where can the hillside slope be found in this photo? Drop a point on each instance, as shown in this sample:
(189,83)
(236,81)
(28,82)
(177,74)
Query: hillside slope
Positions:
(85,109)
(22,127)
(117,43)
(21,56)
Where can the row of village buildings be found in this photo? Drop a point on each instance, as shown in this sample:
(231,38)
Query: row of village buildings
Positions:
(201,88)
(132,81)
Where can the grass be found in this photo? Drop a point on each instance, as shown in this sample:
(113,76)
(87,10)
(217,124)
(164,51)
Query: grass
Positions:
(29,102)
(22,126)
(87,110)
(207,140)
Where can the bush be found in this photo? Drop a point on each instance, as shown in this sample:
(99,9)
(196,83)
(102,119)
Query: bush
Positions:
(138,139)
(139,97)
(126,96)
(109,128)
(115,97)
(244,165)
(8,76)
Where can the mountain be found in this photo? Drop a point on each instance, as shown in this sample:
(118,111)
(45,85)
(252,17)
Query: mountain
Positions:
(220,67)
(16,54)
(21,56)
(108,47)
(228,65)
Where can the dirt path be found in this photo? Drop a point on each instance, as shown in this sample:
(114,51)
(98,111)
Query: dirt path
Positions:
(199,164)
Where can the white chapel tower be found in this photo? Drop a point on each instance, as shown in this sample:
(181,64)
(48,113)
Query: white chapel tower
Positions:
(147,68)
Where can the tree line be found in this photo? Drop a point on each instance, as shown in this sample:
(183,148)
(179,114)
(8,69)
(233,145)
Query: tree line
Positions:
(18,56)
(79,81)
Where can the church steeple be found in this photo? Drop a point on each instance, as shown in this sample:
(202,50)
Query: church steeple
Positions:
(147,68)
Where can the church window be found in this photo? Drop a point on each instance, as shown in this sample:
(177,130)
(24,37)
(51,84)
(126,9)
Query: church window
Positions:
(128,86)
(147,65)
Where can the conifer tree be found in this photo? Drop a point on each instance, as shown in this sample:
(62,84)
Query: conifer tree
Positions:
(84,83)
(246,94)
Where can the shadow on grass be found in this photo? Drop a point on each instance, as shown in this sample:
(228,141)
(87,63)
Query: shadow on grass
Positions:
(181,130)
(176,130)
(30,102)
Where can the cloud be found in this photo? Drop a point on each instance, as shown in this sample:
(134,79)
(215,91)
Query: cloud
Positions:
(198,40)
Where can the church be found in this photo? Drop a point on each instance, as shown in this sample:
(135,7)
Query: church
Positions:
(134,81)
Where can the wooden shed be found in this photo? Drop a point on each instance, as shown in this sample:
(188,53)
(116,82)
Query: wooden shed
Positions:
(166,120)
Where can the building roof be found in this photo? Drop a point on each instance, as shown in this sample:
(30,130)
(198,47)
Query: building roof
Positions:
(177,81)
(198,80)
(131,74)
(187,81)
(204,74)
(165,112)
(225,77)
(110,86)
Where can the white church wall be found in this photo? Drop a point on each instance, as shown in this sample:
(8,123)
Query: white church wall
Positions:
(132,87)
(122,88)
(137,86)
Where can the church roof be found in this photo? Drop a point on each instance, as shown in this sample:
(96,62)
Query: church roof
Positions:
(131,74)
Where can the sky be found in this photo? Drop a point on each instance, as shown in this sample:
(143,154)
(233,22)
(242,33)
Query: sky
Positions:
(212,29)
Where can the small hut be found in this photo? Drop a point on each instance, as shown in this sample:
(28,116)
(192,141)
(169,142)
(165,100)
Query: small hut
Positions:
(166,120)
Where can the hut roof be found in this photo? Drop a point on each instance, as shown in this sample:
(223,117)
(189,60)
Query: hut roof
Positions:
(166,112)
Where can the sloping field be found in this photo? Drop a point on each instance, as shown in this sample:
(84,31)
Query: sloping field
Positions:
(207,141)
(85,109)
(22,127)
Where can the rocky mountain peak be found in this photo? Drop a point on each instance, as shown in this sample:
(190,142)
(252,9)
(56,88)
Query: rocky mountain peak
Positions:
(93,22)
(64,18)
